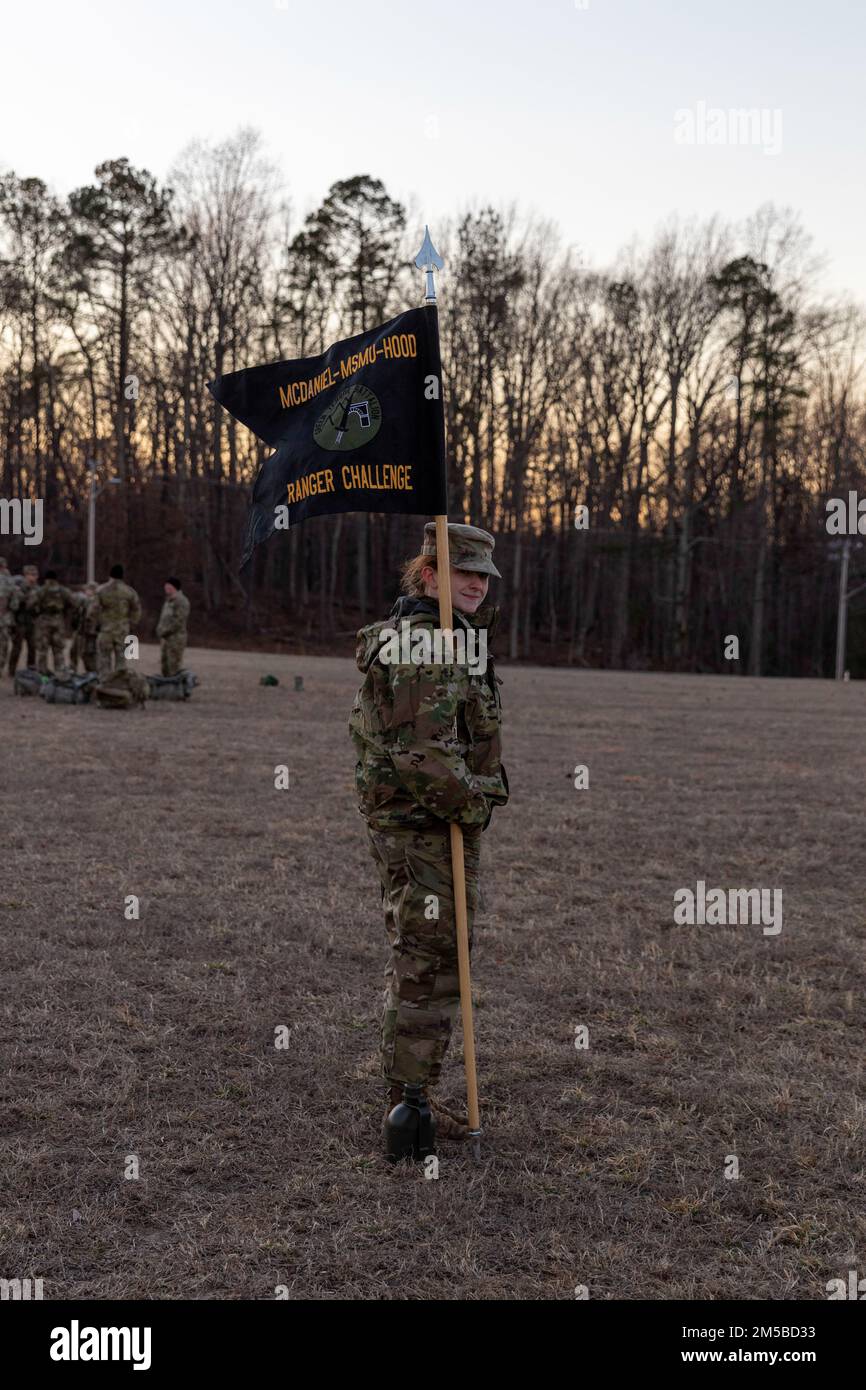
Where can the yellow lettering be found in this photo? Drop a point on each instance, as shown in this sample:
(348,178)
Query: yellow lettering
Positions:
(297,392)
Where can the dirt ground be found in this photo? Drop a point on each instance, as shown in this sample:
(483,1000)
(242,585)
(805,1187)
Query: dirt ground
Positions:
(603,1168)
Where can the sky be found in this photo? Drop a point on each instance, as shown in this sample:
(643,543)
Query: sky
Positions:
(605,115)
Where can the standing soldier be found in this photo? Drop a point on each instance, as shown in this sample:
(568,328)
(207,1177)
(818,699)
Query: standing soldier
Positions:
(51,606)
(21,608)
(118,609)
(427,739)
(7,589)
(171,628)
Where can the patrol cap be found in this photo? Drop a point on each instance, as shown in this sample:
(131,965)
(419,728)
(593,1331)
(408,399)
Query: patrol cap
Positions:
(469,547)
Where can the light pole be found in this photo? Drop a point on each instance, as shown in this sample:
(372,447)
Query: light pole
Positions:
(95,490)
(842,615)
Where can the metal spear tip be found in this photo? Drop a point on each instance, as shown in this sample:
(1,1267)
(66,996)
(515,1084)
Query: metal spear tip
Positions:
(428,257)
(475,1136)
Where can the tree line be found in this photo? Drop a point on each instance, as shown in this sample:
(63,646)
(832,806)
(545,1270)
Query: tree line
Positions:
(652,443)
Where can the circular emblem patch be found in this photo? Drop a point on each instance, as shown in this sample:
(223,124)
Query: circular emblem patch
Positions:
(352,419)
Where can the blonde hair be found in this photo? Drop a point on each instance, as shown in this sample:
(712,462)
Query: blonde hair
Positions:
(410,575)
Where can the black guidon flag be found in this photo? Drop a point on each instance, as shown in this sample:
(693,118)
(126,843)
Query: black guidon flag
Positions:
(358,429)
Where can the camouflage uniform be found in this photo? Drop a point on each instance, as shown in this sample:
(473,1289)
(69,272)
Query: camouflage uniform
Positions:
(21,611)
(428,746)
(85,625)
(117,609)
(51,605)
(7,589)
(171,630)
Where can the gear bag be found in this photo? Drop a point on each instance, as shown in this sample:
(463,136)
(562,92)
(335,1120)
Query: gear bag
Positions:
(69,690)
(178,687)
(28,681)
(121,690)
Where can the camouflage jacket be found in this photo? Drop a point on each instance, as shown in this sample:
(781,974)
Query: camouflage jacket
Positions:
(7,589)
(21,603)
(427,737)
(117,606)
(172,619)
(51,600)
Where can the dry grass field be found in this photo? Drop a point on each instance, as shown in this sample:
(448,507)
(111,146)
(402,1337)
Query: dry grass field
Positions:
(259,907)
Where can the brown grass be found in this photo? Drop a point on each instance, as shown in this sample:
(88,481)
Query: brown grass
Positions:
(259,908)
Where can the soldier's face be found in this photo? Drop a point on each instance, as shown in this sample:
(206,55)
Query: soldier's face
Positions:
(468,588)
(170,590)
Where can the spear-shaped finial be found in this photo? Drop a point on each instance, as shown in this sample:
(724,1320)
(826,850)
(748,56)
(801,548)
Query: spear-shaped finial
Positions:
(428,260)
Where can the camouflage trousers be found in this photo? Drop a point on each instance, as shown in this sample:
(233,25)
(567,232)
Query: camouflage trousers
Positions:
(5,633)
(50,636)
(83,649)
(422,995)
(21,636)
(171,654)
(109,646)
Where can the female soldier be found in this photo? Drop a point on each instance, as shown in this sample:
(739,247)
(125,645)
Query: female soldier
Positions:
(427,739)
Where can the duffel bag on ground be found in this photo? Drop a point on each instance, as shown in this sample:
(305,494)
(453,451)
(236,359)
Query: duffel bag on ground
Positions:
(178,687)
(69,690)
(28,681)
(121,690)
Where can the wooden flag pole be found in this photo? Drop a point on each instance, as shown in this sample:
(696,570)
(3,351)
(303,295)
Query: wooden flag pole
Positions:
(458,873)
(426,260)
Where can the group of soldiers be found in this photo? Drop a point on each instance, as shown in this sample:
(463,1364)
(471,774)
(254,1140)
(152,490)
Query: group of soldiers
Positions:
(96,620)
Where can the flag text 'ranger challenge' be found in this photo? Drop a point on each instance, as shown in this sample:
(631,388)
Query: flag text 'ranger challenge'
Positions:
(357,429)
